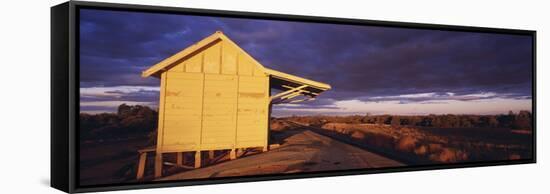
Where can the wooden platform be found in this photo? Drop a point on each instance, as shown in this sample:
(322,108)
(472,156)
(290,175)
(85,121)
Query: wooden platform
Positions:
(302,151)
(214,156)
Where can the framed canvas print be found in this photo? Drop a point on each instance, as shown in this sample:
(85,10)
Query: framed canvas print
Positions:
(146,96)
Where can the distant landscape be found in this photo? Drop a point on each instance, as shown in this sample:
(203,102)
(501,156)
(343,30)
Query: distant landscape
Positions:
(433,139)
(109,141)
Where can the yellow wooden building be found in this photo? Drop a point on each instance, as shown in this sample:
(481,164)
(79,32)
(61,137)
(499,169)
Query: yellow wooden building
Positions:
(215,96)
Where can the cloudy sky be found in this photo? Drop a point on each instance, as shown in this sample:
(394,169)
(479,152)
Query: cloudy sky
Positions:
(376,70)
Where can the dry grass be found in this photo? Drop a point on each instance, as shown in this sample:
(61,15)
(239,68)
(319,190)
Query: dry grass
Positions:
(438,145)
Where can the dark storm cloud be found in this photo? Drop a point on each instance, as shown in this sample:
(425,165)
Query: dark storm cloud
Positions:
(116,46)
(358,62)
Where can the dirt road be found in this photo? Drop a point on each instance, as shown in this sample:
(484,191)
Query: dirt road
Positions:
(301,150)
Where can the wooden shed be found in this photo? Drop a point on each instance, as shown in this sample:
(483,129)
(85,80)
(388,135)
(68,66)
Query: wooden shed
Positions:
(215,96)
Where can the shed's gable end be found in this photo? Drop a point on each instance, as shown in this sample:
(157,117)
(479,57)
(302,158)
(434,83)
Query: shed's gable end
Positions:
(215,54)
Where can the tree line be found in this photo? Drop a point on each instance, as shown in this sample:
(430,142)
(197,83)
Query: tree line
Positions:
(520,120)
(129,121)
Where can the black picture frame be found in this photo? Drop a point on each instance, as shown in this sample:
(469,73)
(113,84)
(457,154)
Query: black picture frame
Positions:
(65,92)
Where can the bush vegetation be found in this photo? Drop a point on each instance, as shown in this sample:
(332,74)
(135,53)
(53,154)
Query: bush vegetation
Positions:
(129,121)
(521,120)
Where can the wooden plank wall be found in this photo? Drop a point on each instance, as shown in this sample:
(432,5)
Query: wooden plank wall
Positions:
(215,99)
(252,112)
(219,119)
(183,110)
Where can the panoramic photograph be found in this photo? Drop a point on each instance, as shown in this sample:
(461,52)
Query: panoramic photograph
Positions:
(183,97)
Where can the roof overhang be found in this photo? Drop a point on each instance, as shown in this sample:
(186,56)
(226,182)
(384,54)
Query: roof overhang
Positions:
(293,86)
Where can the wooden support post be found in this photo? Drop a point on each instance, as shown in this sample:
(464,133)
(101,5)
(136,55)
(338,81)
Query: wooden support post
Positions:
(141,165)
(197,159)
(211,155)
(179,158)
(158,165)
(232,154)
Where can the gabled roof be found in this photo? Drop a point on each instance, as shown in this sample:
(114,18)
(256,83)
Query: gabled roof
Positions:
(279,80)
(166,63)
